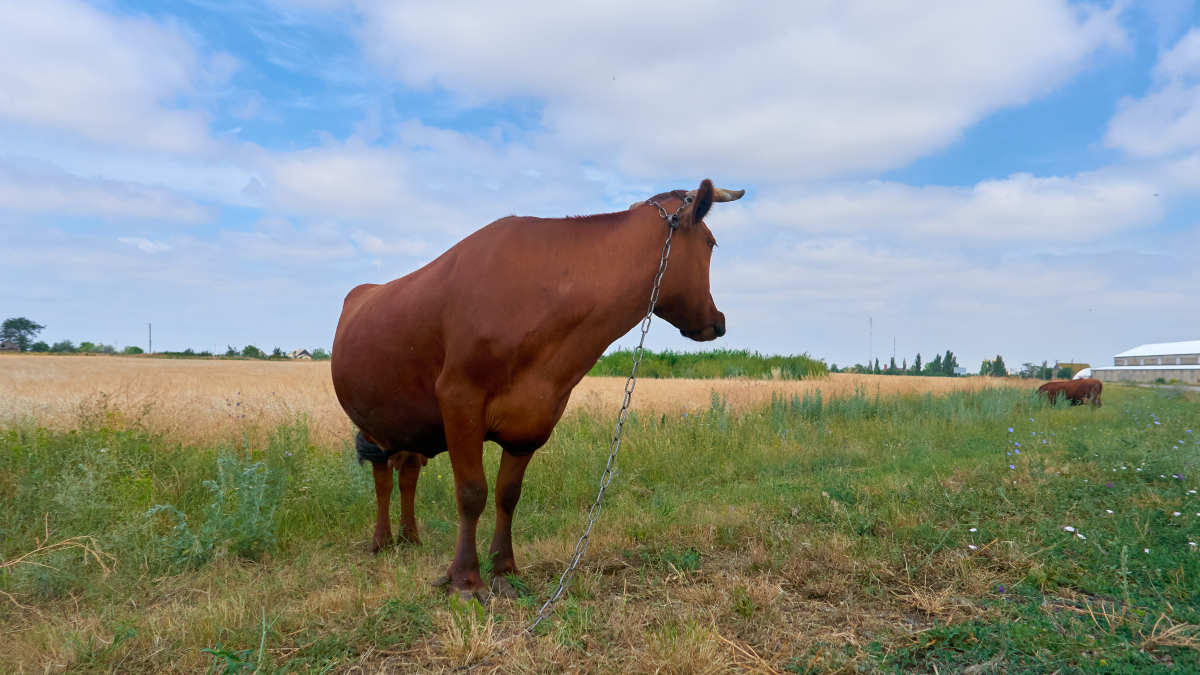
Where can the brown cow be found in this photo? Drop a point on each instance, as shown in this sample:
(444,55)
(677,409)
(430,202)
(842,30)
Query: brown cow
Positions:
(487,341)
(1078,391)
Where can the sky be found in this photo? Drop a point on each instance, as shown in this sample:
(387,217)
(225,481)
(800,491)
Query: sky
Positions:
(1018,177)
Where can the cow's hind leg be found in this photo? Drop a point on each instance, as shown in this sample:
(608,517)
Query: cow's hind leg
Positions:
(381,469)
(408,470)
(382,538)
(508,492)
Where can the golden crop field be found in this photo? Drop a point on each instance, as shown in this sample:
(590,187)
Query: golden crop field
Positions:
(199,399)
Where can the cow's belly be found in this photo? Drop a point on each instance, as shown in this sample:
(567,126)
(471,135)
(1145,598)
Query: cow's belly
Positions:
(521,419)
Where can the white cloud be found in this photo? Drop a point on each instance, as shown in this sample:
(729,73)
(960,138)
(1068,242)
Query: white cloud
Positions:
(378,246)
(1020,208)
(31,186)
(145,245)
(815,294)
(1167,119)
(761,90)
(276,240)
(67,66)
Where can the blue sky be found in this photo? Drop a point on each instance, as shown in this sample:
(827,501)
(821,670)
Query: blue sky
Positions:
(1017,177)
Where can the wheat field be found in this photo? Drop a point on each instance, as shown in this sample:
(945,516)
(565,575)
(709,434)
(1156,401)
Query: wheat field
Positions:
(203,399)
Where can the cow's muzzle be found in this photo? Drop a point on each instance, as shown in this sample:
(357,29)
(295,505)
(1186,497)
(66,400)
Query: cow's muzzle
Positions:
(709,332)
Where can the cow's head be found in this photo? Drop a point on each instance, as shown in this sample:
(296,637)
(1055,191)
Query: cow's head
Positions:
(686,299)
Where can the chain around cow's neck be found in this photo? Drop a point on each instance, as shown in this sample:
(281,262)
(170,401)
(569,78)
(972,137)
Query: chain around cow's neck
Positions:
(615,443)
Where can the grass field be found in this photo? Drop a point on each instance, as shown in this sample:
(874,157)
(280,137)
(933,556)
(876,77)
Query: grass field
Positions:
(202,400)
(853,529)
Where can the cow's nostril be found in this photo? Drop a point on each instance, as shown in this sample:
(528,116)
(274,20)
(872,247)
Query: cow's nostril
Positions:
(719,328)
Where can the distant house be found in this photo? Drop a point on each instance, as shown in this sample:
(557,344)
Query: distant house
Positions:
(9,346)
(301,354)
(1148,363)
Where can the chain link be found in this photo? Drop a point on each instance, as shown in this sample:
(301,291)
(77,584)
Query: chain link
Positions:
(615,444)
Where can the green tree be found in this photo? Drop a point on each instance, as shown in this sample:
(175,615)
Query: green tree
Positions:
(916,369)
(949,364)
(20,330)
(230,350)
(985,368)
(277,353)
(1064,373)
(998,367)
(877,370)
(87,347)
(133,350)
(253,352)
(65,346)
(320,354)
(39,346)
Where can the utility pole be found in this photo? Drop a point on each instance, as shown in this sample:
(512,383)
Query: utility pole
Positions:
(870,340)
(150,338)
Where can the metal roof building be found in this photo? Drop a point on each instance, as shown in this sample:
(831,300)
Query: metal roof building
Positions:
(1166,361)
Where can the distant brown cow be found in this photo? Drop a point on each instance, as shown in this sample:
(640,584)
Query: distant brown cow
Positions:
(487,341)
(1077,391)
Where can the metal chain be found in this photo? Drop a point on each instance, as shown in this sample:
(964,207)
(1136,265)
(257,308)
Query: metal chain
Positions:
(615,444)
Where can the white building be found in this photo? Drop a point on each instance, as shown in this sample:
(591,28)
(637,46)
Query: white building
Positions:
(1168,361)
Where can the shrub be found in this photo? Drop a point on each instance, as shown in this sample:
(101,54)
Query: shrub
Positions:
(239,520)
(133,350)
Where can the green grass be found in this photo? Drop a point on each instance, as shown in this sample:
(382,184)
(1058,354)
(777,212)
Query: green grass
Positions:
(784,529)
(718,363)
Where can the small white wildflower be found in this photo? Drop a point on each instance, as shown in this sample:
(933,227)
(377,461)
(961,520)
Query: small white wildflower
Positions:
(1108,511)
(1146,550)
(1192,544)
(972,546)
(1191,492)
(1068,528)
(973,530)
(1081,536)
(1176,514)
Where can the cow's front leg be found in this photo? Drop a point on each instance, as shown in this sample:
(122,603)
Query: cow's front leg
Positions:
(464,441)
(508,492)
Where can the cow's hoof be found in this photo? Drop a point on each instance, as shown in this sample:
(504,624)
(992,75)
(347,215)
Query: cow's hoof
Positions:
(378,545)
(479,595)
(408,539)
(466,595)
(503,588)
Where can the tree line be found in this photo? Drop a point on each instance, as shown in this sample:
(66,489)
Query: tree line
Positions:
(23,332)
(946,365)
(942,365)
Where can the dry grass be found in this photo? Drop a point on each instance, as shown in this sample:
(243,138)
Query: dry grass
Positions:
(199,399)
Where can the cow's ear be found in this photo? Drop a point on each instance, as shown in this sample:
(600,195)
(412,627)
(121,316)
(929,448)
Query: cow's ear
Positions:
(702,201)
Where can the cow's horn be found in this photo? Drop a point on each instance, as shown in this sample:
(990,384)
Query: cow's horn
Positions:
(722,195)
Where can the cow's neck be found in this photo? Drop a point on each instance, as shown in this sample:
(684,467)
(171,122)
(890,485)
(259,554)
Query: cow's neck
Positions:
(619,293)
